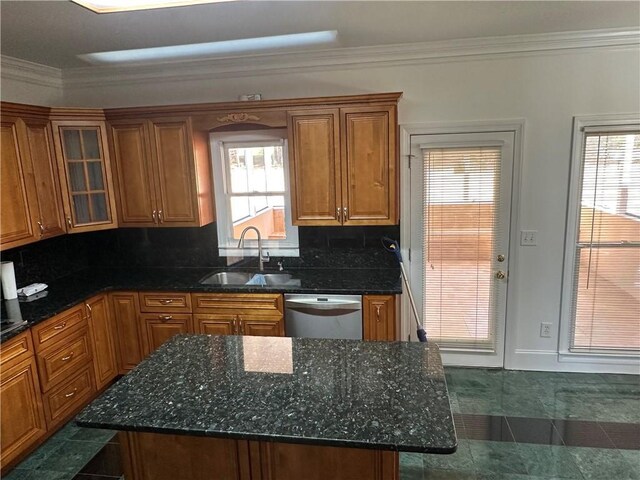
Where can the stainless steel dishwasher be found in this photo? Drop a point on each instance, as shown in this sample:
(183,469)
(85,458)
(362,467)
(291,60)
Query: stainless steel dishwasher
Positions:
(323,316)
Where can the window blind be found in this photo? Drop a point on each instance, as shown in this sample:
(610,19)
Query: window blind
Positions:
(461,237)
(606,281)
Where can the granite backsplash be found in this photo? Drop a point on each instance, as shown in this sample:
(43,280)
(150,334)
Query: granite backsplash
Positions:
(320,247)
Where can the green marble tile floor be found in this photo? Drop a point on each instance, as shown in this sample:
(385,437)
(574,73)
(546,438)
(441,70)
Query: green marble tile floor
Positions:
(510,425)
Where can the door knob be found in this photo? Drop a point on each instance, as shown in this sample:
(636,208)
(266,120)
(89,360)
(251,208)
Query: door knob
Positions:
(501,258)
(501,275)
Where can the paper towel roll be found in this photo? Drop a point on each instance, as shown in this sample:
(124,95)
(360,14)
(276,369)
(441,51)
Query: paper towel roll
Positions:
(8,279)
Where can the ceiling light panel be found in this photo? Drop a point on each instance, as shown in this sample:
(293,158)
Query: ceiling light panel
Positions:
(215,49)
(112,6)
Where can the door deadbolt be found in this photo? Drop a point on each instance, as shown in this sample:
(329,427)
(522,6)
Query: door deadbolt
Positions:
(501,275)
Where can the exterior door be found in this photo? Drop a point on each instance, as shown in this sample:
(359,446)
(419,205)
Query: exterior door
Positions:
(460,216)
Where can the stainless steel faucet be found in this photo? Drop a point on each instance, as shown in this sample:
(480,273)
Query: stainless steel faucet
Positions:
(261,259)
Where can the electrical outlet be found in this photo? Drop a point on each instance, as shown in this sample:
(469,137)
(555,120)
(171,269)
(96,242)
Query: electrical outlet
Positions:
(528,238)
(545,330)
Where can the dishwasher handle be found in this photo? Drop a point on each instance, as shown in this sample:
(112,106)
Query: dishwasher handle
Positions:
(313,304)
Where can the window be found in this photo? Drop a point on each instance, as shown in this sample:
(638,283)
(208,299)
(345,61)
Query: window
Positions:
(251,183)
(603,241)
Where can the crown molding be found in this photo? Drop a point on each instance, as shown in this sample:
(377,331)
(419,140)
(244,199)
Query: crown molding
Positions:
(352,57)
(30,72)
(321,60)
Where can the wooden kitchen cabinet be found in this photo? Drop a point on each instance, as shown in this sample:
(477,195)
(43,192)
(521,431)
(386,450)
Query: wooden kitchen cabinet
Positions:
(163,173)
(344,166)
(85,174)
(22,420)
(379,317)
(103,342)
(369,166)
(215,324)
(239,313)
(314,155)
(30,186)
(16,227)
(125,309)
(157,328)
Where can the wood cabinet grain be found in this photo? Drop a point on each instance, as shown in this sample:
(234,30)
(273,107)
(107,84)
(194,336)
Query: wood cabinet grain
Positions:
(125,308)
(344,165)
(379,317)
(22,420)
(103,341)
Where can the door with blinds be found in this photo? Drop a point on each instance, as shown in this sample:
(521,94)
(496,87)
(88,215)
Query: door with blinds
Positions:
(602,269)
(461,188)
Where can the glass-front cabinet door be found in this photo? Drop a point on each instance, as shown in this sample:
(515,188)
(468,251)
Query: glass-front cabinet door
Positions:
(86,175)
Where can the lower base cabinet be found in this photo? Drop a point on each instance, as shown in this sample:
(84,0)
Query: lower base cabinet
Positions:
(65,399)
(157,328)
(153,456)
(22,421)
(379,318)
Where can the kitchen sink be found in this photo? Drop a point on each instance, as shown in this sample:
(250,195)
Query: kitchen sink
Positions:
(247,278)
(227,278)
(276,278)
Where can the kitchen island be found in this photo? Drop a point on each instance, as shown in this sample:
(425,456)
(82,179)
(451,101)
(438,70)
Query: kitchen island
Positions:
(226,407)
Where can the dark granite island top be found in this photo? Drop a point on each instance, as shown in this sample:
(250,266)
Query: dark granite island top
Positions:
(345,393)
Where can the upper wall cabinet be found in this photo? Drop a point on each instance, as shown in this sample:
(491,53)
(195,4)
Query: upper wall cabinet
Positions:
(163,173)
(344,165)
(85,174)
(32,206)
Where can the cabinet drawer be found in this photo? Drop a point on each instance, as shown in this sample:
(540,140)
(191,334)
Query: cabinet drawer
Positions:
(58,327)
(65,399)
(16,350)
(64,359)
(244,303)
(165,302)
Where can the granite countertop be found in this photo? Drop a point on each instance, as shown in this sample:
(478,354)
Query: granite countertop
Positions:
(349,393)
(76,288)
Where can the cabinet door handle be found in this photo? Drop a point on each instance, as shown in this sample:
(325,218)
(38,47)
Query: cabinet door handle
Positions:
(42,229)
(166,301)
(378,312)
(338,214)
(71,394)
(68,357)
(241,325)
(61,326)
(154,216)
(233,326)
(69,221)
(344,214)
(165,318)
(89,309)
(160,216)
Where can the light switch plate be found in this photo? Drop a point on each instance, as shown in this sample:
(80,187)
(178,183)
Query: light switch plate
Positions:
(528,238)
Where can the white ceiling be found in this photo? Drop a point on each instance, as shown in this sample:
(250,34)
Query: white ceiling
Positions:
(54,32)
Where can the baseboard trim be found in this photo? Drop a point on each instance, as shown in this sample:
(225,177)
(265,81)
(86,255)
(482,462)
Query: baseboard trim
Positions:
(542,360)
